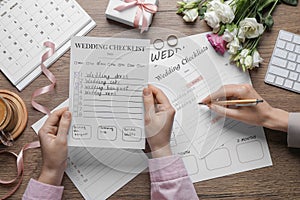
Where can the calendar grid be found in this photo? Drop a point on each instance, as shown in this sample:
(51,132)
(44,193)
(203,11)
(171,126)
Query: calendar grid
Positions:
(25,25)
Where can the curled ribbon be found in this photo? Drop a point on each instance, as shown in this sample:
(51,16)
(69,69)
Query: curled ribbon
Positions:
(20,167)
(49,75)
(142,9)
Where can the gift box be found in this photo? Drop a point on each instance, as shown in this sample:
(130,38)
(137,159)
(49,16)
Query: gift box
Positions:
(135,13)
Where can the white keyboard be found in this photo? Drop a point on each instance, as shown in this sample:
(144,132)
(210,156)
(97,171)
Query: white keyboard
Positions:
(284,66)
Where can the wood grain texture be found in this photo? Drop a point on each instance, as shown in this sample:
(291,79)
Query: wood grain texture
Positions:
(281,181)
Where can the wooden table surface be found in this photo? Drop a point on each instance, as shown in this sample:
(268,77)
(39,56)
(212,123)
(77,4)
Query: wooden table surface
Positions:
(281,181)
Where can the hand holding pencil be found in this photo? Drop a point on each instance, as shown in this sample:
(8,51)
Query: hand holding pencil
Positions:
(247,106)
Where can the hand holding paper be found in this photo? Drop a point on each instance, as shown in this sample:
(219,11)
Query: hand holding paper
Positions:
(159,117)
(53,139)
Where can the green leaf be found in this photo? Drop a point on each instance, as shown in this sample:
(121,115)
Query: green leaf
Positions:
(269,22)
(181,3)
(190,5)
(231,27)
(222,29)
(290,2)
(202,10)
(180,11)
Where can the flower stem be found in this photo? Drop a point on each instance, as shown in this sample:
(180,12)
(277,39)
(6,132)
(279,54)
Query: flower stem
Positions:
(273,7)
(245,11)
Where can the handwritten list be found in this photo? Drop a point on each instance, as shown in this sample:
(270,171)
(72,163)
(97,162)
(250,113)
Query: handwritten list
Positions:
(107,79)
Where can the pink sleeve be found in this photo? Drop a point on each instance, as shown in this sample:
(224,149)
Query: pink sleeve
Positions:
(293,137)
(170,180)
(37,191)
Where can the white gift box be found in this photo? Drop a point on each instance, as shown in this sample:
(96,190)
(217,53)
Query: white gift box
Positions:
(128,15)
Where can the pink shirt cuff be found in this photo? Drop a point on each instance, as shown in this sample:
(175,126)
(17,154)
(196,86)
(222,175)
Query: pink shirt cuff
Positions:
(36,190)
(166,168)
(170,180)
(293,137)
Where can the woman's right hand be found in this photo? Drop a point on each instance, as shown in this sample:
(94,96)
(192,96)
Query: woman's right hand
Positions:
(260,115)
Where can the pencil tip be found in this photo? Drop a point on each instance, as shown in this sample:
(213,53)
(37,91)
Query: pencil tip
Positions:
(201,103)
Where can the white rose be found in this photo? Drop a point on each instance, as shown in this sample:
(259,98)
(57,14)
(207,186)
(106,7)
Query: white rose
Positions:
(233,46)
(256,58)
(213,5)
(242,61)
(229,36)
(244,53)
(250,28)
(212,20)
(190,15)
(225,14)
(223,11)
(241,35)
(248,62)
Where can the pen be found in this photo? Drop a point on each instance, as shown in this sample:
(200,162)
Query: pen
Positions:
(241,102)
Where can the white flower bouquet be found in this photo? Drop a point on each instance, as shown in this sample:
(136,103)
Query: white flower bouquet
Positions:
(237,25)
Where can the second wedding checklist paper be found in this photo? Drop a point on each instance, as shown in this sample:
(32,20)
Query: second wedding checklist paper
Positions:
(209,146)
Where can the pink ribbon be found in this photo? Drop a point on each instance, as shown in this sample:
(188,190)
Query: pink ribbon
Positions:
(20,167)
(49,75)
(142,9)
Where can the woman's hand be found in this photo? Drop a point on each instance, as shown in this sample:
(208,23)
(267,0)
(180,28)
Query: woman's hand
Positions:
(53,139)
(260,115)
(159,117)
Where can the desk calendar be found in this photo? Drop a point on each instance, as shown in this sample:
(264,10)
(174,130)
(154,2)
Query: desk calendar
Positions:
(25,25)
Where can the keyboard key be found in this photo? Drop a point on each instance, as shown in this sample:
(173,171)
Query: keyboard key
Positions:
(280,53)
(298,68)
(298,59)
(285,35)
(297,86)
(279,71)
(281,44)
(292,56)
(297,49)
(293,76)
(279,62)
(291,65)
(296,39)
(288,83)
(270,78)
(290,46)
(279,80)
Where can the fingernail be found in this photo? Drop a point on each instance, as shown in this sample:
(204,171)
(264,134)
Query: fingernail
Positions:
(146,92)
(67,115)
(205,100)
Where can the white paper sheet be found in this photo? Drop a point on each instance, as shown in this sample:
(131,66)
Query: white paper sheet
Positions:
(98,173)
(207,143)
(107,76)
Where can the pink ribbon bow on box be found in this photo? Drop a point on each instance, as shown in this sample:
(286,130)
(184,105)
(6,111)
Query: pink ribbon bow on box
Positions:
(142,8)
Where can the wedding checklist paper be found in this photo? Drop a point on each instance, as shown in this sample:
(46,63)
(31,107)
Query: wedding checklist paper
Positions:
(107,77)
(98,173)
(210,146)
